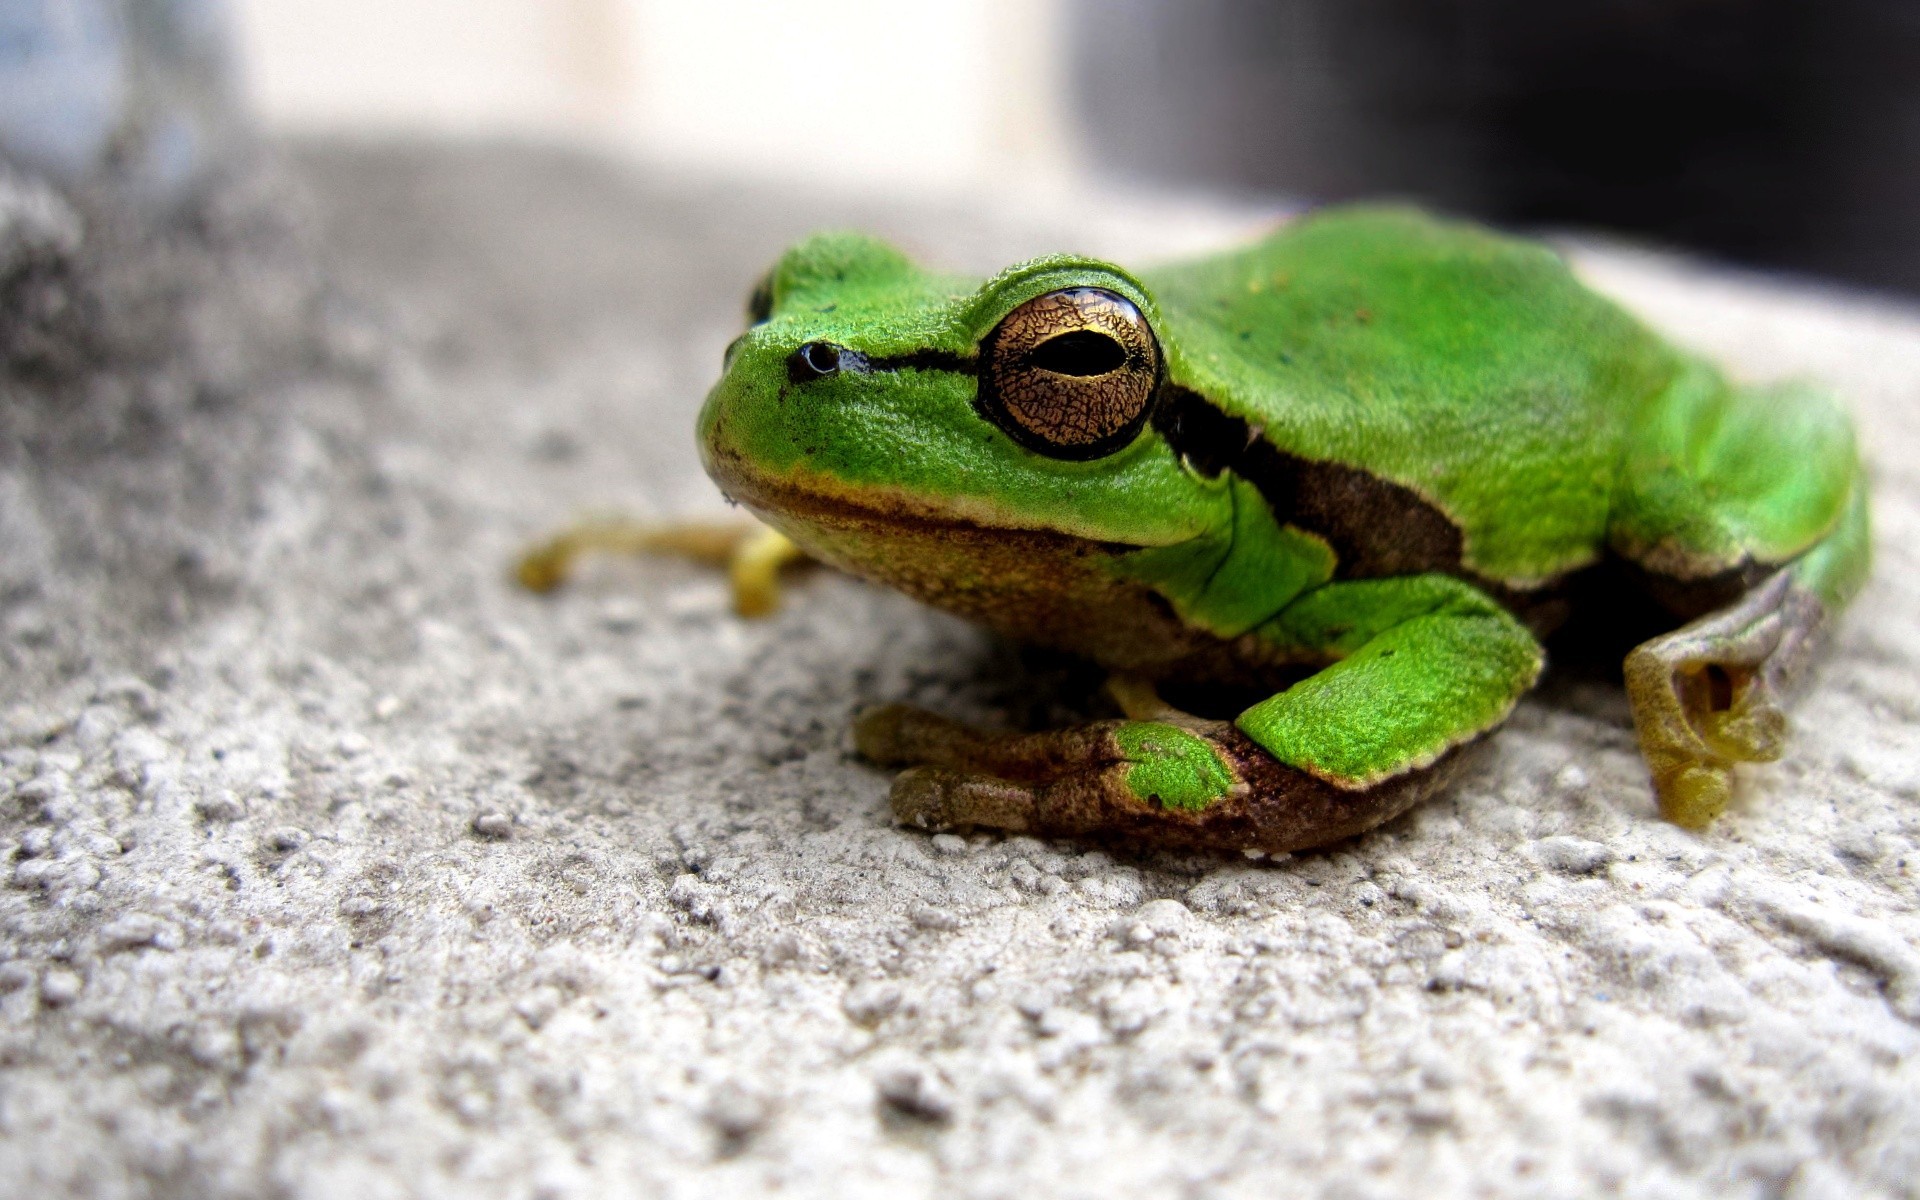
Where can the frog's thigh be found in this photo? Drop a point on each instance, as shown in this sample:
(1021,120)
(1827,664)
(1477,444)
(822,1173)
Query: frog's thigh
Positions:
(1716,477)
(1425,664)
(1708,695)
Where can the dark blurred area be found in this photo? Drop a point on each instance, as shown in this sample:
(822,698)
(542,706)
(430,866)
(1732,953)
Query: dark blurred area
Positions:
(1777,133)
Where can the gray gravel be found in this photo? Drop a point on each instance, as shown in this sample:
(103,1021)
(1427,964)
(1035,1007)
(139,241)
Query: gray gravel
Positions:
(338,867)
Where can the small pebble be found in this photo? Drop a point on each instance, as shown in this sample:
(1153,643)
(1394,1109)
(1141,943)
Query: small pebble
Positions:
(621,616)
(493,825)
(133,930)
(870,1003)
(221,805)
(1572,855)
(915,1093)
(287,838)
(59,987)
(928,917)
(736,1113)
(1059,1020)
(1163,916)
(537,1007)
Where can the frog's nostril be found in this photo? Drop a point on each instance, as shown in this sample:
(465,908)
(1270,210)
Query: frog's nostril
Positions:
(813,360)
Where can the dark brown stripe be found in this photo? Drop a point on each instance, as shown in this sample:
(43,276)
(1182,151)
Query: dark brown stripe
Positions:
(1375,526)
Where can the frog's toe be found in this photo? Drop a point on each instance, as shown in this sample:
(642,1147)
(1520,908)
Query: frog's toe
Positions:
(1751,728)
(1092,800)
(1694,794)
(937,799)
(896,735)
(899,735)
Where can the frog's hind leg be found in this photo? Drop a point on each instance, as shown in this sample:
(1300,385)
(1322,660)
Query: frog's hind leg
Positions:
(752,553)
(1709,694)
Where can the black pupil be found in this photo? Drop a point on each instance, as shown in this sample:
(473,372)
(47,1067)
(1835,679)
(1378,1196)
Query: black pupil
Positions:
(1082,352)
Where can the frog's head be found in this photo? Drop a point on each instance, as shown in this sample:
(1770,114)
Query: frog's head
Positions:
(981,446)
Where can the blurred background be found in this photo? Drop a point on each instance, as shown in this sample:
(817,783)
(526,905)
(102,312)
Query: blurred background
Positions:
(1778,133)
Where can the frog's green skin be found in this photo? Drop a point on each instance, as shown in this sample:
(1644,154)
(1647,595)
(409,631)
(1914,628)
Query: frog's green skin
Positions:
(1380,447)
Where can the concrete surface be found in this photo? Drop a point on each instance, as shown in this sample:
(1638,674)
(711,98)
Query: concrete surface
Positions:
(337,867)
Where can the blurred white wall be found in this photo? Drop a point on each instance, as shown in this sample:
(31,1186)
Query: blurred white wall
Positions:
(899,94)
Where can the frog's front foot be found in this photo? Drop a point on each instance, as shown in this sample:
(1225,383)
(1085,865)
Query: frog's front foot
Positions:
(1179,782)
(1707,696)
(1087,779)
(753,554)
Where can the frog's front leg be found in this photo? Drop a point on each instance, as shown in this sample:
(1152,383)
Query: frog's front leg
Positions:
(1424,666)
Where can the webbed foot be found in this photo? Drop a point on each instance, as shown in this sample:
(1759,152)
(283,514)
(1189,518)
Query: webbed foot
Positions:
(1707,696)
(1077,780)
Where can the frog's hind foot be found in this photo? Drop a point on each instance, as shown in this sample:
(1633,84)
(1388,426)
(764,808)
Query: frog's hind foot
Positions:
(1065,782)
(899,735)
(963,777)
(752,553)
(1708,695)
(1179,782)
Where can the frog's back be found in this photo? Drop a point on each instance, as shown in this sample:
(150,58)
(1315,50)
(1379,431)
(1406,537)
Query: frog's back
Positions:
(1469,372)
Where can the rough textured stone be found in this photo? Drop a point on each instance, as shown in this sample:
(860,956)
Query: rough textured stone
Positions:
(273,712)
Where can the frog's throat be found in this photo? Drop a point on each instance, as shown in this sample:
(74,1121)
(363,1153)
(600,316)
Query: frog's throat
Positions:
(1043,586)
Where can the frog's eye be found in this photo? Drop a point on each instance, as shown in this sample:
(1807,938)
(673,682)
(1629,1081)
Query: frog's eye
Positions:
(1070,374)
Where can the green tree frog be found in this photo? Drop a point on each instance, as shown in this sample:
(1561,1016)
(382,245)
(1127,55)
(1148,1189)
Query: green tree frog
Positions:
(1361,465)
